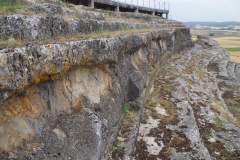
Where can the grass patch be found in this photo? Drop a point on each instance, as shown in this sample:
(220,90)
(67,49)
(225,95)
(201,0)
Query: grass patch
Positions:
(219,122)
(233,49)
(125,109)
(128,16)
(200,73)
(152,104)
(81,36)
(169,88)
(206,43)
(225,115)
(10,6)
(175,57)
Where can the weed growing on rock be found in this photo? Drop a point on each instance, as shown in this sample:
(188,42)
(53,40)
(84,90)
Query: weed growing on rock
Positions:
(206,43)
(128,16)
(219,122)
(125,109)
(174,57)
(200,74)
(169,88)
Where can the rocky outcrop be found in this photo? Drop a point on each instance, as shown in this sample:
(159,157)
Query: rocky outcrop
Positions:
(151,95)
(192,112)
(63,100)
(39,27)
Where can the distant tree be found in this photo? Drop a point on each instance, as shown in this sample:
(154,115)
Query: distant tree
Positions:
(211,34)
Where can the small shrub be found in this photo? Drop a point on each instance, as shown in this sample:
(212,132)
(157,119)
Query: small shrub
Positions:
(219,122)
(138,102)
(128,16)
(99,30)
(168,88)
(145,85)
(206,43)
(125,109)
(153,104)
(5,39)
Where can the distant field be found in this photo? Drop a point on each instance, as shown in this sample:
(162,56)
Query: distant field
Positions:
(227,39)
(231,43)
(232,49)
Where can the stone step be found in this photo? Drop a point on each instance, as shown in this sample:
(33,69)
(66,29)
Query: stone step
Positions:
(222,66)
(35,28)
(231,70)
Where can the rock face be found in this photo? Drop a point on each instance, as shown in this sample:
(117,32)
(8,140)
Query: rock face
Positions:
(193,110)
(63,100)
(66,22)
(151,95)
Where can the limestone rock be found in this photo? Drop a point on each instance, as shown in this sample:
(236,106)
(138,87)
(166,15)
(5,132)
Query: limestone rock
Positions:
(46,8)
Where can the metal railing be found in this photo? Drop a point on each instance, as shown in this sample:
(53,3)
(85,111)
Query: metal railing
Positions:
(152,4)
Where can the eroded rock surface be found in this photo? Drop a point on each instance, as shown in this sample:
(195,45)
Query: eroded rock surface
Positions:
(152,95)
(199,91)
(63,100)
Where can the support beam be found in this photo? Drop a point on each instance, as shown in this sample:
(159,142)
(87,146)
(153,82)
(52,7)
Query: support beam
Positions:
(116,9)
(91,4)
(166,15)
(136,11)
(153,13)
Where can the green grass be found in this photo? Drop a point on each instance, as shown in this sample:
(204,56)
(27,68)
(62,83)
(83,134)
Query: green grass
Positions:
(233,49)
(153,104)
(10,6)
(219,122)
(169,88)
(128,16)
(125,109)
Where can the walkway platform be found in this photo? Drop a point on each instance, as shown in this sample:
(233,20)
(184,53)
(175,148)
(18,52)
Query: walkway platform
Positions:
(123,7)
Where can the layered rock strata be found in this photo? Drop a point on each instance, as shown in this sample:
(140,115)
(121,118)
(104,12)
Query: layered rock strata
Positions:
(63,100)
(193,111)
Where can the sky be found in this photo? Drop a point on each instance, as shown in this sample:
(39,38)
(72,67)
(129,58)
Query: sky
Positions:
(198,10)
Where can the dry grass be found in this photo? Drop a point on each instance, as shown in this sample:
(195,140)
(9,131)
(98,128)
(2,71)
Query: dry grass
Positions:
(225,115)
(175,57)
(200,74)
(81,36)
(226,39)
(230,43)
(27,13)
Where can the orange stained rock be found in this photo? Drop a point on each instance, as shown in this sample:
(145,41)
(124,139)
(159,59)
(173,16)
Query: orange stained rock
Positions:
(32,104)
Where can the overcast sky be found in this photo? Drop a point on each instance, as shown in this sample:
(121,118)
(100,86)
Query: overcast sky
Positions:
(199,10)
(205,10)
